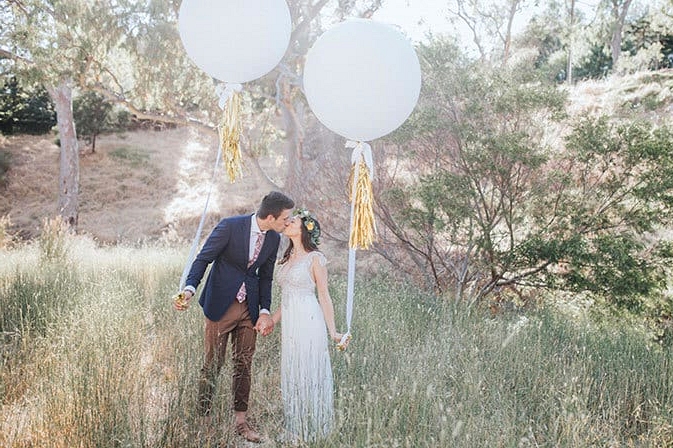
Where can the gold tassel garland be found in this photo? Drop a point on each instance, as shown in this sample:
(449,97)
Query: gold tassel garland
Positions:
(363,231)
(230,135)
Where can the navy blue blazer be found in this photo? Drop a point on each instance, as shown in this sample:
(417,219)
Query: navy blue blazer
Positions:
(227,248)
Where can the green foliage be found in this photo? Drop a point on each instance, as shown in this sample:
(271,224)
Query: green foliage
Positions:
(134,157)
(478,162)
(94,115)
(649,31)
(489,207)
(545,34)
(24,109)
(595,65)
(621,192)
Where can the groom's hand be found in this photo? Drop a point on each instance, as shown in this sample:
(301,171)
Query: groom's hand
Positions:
(264,325)
(181,301)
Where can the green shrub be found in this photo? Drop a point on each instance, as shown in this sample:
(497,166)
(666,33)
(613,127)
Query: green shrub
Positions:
(135,157)
(94,115)
(24,109)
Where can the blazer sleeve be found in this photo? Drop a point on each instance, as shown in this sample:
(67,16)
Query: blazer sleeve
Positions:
(217,242)
(266,276)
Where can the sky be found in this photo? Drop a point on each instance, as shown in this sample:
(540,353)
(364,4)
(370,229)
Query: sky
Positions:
(416,17)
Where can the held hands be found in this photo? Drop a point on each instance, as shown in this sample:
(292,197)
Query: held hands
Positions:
(264,325)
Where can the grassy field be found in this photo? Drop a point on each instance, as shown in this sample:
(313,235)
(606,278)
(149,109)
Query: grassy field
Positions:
(93,355)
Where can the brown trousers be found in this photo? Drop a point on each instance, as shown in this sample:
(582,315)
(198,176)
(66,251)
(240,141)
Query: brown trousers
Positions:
(235,322)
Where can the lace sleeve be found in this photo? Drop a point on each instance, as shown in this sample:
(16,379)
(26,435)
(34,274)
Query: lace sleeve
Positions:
(319,257)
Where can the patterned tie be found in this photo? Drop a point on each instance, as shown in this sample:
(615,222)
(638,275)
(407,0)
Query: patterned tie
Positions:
(240,295)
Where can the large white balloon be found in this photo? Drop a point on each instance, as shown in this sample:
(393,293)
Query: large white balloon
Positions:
(362,79)
(235,40)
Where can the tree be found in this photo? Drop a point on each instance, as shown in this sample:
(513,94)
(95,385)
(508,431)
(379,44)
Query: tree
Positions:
(622,196)
(547,34)
(476,203)
(571,28)
(618,11)
(25,109)
(648,41)
(611,18)
(491,24)
(311,18)
(55,43)
(565,40)
(94,115)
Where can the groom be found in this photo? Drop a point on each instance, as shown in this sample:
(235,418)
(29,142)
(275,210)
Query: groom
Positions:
(236,298)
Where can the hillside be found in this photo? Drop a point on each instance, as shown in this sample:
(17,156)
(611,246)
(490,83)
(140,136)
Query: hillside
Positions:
(143,185)
(151,185)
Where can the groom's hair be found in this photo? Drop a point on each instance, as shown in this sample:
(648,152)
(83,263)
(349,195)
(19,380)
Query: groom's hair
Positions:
(273,204)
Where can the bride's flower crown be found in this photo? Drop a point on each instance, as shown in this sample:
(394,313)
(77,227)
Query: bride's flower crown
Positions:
(310,223)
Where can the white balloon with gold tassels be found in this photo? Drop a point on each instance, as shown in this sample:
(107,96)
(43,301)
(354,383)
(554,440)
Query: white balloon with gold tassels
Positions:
(233,41)
(362,80)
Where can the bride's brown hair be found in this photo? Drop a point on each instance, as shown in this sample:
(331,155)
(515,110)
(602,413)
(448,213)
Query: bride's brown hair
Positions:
(308,240)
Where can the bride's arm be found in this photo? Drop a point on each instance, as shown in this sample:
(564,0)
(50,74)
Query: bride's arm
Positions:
(319,271)
(276,316)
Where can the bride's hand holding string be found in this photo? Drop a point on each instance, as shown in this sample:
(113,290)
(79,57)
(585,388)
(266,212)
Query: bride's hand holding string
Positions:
(342,340)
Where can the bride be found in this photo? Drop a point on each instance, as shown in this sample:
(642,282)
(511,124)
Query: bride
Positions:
(306,372)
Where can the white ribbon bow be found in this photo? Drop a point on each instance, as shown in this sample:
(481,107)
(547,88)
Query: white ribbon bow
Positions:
(225,91)
(362,149)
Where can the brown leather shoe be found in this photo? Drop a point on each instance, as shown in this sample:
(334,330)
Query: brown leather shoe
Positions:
(245,430)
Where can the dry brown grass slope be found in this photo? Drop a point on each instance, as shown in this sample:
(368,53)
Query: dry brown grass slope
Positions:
(140,186)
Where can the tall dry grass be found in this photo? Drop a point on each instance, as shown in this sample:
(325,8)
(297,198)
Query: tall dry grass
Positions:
(93,355)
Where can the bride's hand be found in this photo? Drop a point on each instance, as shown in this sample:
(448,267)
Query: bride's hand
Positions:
(342,340)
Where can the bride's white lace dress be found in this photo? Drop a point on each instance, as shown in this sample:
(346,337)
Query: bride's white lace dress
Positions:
(306,372)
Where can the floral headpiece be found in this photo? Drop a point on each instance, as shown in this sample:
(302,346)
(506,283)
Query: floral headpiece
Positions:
(310,223)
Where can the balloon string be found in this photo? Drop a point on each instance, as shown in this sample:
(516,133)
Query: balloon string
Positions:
(350,289)
(361,160)
(197,237)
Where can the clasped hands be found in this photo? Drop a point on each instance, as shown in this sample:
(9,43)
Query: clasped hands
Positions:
(264,325)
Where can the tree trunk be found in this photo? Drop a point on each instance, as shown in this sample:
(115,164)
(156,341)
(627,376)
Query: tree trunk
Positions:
(617,28)
(571,41)
(514,6)
(68,179)
(295,132)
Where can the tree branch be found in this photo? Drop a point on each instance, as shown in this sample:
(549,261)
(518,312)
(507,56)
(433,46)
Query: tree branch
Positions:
(5,54)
